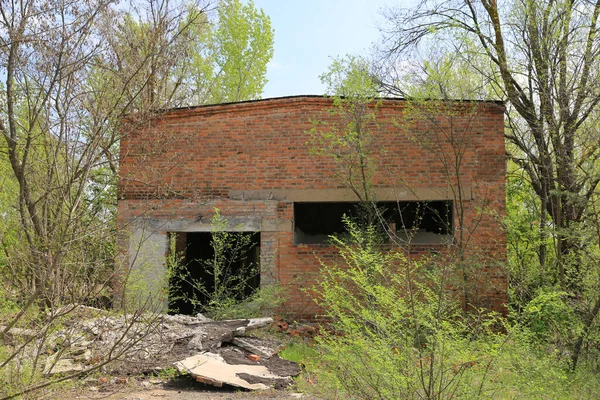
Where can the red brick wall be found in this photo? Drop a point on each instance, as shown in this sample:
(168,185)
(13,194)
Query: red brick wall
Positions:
(180,165)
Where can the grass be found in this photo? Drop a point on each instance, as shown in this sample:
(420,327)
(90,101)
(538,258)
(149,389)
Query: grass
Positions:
(298,352)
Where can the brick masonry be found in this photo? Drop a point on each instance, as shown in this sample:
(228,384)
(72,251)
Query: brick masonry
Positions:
(253,159)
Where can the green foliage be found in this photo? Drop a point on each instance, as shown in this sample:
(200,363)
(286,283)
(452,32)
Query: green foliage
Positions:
(189,55)
(229,248)
(349,80)
(526,52)
(348,136)
(262,303)
(240,45)
(71,77)
(168,373)
(299,352)
(8,211)
(551,319)
(526,240)
(398,333)
(452,71)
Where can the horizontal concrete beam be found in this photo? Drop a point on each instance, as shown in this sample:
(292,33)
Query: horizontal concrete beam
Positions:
(235,224)
(346,195)
(276,225)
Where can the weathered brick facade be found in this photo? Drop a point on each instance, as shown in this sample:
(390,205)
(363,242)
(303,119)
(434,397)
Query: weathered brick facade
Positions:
(252,160)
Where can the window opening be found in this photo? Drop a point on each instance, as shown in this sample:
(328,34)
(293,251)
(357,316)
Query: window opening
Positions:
(427,222)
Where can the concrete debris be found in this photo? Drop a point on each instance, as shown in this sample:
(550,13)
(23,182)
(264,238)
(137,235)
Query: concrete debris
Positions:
(211,369)
(213,352)
(76,312)
(62,366)
(20,333)
(261,347)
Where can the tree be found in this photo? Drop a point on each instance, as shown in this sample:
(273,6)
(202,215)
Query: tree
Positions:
(70,78)
(240,45)
(72,71)
(349,139)
(189,54)
(545,58)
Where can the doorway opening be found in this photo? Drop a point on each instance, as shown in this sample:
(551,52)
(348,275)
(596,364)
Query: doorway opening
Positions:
(209,267)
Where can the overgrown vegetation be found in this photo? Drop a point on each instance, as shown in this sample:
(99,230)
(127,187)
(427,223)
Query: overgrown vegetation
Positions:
(398,332)
(541,58)
(232,292)
(71,71)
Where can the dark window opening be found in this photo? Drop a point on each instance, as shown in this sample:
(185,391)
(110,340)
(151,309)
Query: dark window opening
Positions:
(427,222)
(192,281)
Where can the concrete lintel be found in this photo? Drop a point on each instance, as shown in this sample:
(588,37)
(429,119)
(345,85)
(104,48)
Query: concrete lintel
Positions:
(342,195)
(276,225)
(235,224)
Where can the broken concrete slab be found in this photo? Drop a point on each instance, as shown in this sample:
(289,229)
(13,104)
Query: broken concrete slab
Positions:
(211,369)
(210,335)
(261,347)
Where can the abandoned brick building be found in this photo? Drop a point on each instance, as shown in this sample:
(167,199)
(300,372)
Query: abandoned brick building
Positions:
(253,161)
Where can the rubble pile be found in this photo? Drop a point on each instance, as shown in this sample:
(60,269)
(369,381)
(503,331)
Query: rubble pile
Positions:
(213,352)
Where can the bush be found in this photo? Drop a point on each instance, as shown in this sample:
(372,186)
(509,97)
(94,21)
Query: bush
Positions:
(550,318)
(262,303)
(398,333)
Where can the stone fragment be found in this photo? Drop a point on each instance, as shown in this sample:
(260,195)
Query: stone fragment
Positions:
(62,366)
(262,347)
(195,343)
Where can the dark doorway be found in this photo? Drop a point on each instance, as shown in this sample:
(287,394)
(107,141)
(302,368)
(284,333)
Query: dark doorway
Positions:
(190,289)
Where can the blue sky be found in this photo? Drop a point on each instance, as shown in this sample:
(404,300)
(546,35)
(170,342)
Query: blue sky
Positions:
(309,32)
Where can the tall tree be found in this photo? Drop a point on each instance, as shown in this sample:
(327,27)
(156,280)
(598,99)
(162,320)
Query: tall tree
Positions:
(197,54)
(240,45)
(350,139)
(72,71)
(546,57)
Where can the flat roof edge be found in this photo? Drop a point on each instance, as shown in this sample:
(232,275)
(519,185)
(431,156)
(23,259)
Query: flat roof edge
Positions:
(274,101)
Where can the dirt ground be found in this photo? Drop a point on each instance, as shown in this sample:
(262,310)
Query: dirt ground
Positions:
(174,389)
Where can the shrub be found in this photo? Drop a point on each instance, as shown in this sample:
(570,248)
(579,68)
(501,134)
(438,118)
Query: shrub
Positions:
(397,332)
(550,318)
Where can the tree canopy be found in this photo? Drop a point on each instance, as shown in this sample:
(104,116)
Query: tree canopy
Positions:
(543,59)
(72,71)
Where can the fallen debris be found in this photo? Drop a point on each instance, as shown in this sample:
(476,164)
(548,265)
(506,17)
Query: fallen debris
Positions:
(213,352)
(262,347)
(62,366)
(211,368)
